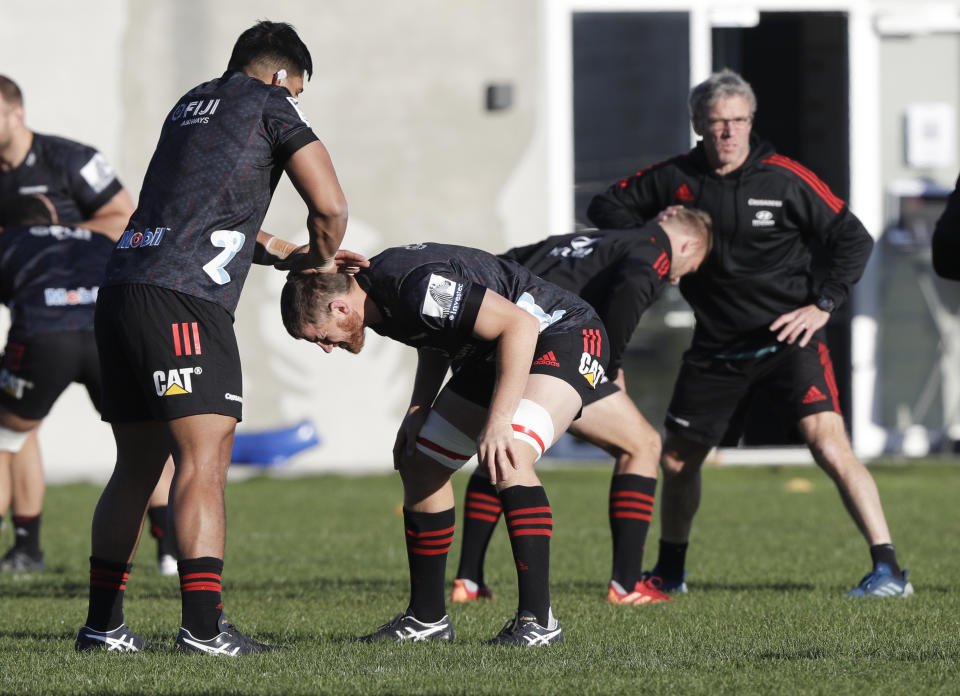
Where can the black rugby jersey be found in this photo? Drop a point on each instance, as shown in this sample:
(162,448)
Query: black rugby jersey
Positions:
(619,272)
(49,277)
(429,296)
(221,152)
(76,178)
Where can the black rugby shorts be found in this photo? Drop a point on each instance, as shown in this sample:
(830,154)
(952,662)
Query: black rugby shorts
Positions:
(35,371)
(708,394)
(165,355)
(578,357)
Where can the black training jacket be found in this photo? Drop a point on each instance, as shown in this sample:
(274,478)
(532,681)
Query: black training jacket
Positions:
(765,216)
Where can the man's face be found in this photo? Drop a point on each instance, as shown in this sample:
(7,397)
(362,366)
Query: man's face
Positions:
(726,134)
(294,85)
(685,264)
(335,331)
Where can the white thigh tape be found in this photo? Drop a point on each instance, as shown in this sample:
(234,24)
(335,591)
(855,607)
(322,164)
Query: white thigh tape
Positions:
(12,440)
(532,424)
(441,440)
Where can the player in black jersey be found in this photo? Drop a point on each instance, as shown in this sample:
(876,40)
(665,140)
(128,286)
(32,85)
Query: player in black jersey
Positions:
(620,273)
(526,356)
(164,320)
(85,192)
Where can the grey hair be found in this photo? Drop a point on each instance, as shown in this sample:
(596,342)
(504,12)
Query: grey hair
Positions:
(720,85)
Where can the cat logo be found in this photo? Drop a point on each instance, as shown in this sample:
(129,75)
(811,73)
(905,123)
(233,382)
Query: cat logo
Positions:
(175,382)
(592,370)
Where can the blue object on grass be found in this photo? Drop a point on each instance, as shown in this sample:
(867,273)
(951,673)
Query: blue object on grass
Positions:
(274,447)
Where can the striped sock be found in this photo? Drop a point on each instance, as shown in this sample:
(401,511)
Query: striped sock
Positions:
(166,543)
(200,595)
(108,580)
(429,535)
(631,506)
(530,524)
(480,516)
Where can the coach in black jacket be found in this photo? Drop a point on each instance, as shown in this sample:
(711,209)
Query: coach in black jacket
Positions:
(760,314)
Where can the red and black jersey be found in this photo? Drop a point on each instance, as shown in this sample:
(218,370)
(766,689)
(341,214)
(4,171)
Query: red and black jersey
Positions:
(429,296)
(76,178)
(765,216)
(221,153)
(619,272)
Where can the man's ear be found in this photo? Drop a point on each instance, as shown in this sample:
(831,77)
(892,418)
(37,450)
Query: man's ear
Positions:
(339,306)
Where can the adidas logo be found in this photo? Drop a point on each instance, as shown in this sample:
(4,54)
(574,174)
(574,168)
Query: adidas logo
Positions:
(683,193)
(547,359)
(814,395)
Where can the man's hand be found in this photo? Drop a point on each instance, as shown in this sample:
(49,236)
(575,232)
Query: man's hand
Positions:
(800,323)
(302,261)
(495,450)
(406,443)
(668,212)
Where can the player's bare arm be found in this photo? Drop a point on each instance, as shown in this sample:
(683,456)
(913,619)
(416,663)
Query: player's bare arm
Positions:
(111,218)
(432,367)
(315,179)
(515,332)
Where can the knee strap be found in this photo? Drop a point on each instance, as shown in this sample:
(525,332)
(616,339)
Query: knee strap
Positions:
(533,424)
(439,439)
(12,440)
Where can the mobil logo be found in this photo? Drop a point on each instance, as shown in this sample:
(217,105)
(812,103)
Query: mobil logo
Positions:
(134,239)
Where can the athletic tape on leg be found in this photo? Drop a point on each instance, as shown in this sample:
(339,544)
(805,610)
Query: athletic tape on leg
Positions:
(441,440)
(12,440)
(532,424)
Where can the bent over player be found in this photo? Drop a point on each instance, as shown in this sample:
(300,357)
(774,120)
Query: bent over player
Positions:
(164,321)
(491,317)
(760,313)
(620,273)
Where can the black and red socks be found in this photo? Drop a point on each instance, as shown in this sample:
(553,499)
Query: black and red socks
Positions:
(108,581)
(480,516)
(631,507)
(26,533)
(530,525)
(166,543)
(428,535)
(200,593)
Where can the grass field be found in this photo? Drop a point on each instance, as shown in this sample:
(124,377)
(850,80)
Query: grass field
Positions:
(312,563)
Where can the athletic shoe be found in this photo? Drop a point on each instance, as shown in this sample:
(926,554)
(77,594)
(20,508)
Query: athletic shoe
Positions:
(404,627)
(641,594)
(229,642)
(19,561)
(654,580)
(881,582)
(120,639)
(523,631)
(167,564)
(468,591)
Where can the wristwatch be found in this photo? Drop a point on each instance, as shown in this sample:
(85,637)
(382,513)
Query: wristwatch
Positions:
(825,304)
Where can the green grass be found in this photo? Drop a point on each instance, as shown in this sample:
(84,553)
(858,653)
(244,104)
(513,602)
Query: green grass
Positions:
(312,563)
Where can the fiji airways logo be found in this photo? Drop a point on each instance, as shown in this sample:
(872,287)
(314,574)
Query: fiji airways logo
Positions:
(194,112)
(175,382)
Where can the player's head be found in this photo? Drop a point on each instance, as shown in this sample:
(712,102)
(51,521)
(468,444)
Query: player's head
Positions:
(11,110)
(318,308)
(266,48)
(722,108)
(23,211)
(691,240)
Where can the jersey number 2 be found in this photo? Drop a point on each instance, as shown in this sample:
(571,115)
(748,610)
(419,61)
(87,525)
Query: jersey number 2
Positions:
(231,242)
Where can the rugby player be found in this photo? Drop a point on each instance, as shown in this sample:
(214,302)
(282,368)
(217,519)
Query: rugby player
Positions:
(164,321)
(84,192)
(490,318)
(620,273)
